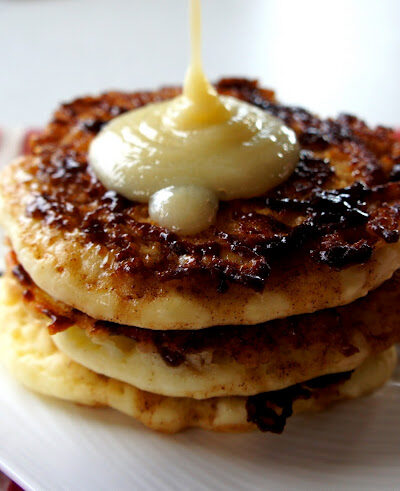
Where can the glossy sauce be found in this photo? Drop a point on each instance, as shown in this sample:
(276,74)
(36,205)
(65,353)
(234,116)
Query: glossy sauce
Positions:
(202,146)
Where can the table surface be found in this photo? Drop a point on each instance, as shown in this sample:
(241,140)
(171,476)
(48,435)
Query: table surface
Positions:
(328,56)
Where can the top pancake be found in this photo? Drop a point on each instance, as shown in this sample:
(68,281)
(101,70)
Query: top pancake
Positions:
(322,239)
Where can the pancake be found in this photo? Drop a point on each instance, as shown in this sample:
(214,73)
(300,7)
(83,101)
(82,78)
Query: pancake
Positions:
(324,238)
(31,356)
(226,360)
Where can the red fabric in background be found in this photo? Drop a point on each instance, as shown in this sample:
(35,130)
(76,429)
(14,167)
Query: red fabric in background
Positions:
(7,485)
(14,487)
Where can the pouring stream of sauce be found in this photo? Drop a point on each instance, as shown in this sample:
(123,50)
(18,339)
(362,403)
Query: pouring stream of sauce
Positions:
(184,155)
(200,105)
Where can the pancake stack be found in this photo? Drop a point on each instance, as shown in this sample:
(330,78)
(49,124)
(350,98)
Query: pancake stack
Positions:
(289,303)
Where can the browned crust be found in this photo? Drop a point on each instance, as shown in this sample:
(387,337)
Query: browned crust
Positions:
(270,410)
(338,206)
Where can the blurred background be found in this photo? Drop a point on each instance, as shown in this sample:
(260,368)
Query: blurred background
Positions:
(329,56)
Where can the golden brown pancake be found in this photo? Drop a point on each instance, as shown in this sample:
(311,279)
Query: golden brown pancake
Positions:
(226,360)
(322,239)
(29,353)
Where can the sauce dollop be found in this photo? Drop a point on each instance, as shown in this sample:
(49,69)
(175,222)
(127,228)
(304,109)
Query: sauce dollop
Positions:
(185,154)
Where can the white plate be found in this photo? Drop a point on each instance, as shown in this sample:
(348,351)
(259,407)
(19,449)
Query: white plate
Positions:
(51,445)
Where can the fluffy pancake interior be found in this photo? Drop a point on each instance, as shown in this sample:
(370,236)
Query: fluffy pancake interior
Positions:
(29,353)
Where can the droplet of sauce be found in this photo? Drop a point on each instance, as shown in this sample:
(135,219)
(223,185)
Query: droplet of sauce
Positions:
(184,209)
